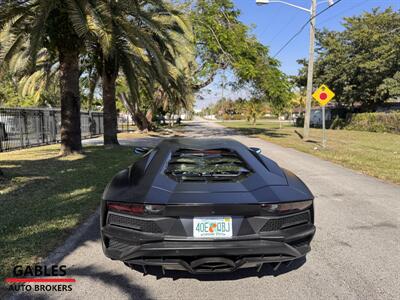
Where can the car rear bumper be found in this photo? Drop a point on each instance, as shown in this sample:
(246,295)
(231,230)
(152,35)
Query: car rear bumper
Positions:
(207,255)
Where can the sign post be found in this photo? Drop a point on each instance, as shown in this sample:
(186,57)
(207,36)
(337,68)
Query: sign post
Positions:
(323,95)
(323,127)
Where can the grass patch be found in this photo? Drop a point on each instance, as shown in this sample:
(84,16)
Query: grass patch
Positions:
(44,196)
(131,135)
(375,154)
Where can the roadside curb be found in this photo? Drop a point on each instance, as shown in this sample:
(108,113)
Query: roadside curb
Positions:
(72,241)
(59,253)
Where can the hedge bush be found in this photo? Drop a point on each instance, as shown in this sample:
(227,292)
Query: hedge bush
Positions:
(232,117)
(338,123)
(375,122)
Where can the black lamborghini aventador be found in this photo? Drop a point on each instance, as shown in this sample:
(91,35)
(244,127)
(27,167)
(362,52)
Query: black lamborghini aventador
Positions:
(206,205)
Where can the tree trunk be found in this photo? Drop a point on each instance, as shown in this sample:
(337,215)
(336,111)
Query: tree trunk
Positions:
(70,102)
(92,88)
(110,117)
(139,118)
(141,121)
(149,116)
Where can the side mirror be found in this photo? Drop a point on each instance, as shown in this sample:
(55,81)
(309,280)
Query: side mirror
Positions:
(255,149)
(141,150)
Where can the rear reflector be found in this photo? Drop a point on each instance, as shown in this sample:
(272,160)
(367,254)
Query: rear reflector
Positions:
(286,207)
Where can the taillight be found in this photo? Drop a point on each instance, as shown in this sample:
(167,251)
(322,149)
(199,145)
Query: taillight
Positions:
(136,209)
(286,207)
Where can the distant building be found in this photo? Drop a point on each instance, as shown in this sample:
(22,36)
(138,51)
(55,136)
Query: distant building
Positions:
(210,117)
(316,116)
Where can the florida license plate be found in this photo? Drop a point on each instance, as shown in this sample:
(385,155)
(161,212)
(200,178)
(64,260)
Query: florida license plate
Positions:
(212,227)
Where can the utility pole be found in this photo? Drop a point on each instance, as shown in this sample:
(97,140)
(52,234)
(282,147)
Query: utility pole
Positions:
(222,93)
(312,12)
(223,84)
(310,72)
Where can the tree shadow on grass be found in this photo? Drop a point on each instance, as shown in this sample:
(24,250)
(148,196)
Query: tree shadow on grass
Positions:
(272,133)
(58,170)
(57,195)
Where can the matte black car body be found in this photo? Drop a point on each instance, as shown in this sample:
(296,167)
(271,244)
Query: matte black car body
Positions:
(162,235)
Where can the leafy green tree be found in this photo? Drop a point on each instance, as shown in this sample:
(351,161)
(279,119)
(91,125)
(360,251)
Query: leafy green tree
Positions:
(226,108)
(298,100)
(35,85)
(160,71)
(280,107)
(137,39)
(223,41)
(254,109)
(8,91)
(360,63)
(51,24)
(390,87)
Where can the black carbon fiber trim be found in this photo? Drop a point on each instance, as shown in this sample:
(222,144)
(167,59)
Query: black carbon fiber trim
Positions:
(280,223)
(118,245)
(134,223)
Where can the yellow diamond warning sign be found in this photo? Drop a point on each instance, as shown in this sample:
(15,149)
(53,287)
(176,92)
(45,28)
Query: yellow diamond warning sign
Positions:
(323,95)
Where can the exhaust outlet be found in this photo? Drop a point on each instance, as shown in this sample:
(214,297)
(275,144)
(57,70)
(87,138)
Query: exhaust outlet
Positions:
(213,264)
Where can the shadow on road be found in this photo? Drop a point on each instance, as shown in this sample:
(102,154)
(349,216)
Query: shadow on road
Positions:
(109,279)
(112,279)
(88,232)
(197,130)
(272,133)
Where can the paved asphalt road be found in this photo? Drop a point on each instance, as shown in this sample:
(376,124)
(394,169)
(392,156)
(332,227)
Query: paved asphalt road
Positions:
(355,253)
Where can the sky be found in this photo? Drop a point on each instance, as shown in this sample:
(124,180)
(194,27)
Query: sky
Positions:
(274,24)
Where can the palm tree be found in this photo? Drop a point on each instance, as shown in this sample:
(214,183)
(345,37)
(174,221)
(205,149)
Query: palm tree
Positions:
(254,109)
(90,78)
(140,40)
(54,25)
(136,38)
(41,83)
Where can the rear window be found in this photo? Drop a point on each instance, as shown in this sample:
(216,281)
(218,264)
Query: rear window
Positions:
(207,165)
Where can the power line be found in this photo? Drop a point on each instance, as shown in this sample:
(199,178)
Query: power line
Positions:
(345,10)
(266,28)
(291,19)
(304,26)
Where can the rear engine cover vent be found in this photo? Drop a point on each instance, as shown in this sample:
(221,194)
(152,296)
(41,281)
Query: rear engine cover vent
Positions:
(213,165)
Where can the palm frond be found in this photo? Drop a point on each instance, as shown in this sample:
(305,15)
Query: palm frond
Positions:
(77,13)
